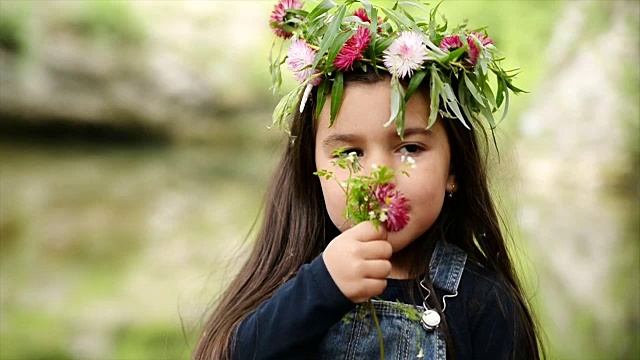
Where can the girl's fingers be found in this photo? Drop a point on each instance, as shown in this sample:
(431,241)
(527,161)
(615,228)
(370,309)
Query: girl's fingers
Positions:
(366,231)
(370,288)
(376,250)
(375,269)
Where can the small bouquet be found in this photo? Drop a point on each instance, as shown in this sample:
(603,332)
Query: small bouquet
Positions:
(372,197)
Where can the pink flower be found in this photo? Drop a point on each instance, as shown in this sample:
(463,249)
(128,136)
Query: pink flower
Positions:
(353,49)
(453,42)
(394,206)
(405,54)
(278,16)
(299,61)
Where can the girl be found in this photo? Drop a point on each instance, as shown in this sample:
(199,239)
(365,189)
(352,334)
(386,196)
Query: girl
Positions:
(444,285)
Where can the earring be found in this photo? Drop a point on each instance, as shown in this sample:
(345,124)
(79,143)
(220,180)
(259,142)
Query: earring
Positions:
(450,195)
(453,189)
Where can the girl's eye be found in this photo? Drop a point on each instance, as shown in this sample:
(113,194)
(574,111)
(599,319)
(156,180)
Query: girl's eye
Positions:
(411,149)
(344,153)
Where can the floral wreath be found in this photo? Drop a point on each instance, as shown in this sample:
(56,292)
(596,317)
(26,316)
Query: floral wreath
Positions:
(332,39)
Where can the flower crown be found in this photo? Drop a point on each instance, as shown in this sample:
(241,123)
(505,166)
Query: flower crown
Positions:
(332,39)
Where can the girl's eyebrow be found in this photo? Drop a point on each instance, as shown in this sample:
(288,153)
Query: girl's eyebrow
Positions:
(333,139)
(418,131)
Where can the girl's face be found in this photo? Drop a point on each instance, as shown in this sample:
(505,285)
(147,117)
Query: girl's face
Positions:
(359,127)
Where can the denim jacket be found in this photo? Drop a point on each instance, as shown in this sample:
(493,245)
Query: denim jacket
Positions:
(305,318)
(404,338)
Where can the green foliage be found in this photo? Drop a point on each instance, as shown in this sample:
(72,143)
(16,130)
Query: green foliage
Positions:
(109,21)
(152,341)
(13,21)
(27,340)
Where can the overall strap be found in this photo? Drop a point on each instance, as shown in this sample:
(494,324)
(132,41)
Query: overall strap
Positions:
(446,266)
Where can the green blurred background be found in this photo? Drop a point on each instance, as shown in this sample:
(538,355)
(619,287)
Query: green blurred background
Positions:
(134,156)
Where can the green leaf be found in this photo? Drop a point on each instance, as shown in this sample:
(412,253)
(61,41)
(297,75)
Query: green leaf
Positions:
(337,45)
(414,4)
(488,94)
(442,28)
(400,117)
(366,4)
(405,13)
(452,103)
(285,108)
(298,12)
(416,80)
(398,18)
(472,88)
(373,30)
(435,97)
(485,109)
(513,88)
(274,68)
(321,8)
(500,92)
(463,97)
(395,100)
(330,35)
(321,96)
(452,55)
(432,20)
(336,96)
(382,43)
(317,26)
(506,103)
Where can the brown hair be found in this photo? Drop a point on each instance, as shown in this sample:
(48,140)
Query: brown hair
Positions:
(296,228)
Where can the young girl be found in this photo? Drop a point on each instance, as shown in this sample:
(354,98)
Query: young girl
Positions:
(441,287)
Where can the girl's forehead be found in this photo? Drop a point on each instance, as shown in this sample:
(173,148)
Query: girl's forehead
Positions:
(366,108)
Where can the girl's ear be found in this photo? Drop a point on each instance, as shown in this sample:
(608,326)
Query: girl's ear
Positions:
(451,183)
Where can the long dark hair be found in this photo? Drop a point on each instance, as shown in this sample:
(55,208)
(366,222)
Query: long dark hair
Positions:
(296,228)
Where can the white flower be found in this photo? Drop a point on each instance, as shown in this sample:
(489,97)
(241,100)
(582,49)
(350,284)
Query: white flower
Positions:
(352,157)
(411,162)
(405,54)
(375,167)
(372,215)
(383,215)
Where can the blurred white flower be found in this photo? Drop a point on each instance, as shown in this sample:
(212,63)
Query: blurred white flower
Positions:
(405,54)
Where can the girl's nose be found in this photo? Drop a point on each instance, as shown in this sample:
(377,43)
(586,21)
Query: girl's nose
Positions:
(379,160)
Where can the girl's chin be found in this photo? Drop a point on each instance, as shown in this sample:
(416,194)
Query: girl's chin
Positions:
(399,240)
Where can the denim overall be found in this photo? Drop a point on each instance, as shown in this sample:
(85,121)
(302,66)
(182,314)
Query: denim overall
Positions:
(356,337)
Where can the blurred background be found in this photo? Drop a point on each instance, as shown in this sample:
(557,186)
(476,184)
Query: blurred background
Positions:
(134,156)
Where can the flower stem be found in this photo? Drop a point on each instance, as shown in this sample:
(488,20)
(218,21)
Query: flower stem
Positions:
(377,323)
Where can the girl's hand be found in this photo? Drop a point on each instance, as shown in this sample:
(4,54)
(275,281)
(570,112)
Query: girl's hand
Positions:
(358,261)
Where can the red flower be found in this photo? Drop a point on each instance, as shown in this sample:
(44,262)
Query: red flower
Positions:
(450,43)
(453,42)
(474,52)
(353,49)
(365,18)
(362,15)
(279,13)
(394,206)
